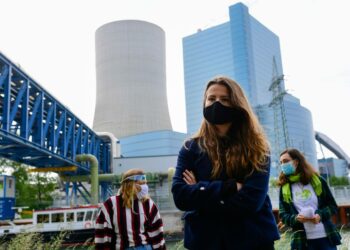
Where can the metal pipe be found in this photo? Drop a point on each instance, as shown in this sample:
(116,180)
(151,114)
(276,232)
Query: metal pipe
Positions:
(114,141)
(101,177)
(94,174)
(115,146)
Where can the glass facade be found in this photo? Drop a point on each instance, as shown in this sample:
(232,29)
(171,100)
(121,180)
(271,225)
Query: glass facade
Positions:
(333,167)
(155,143)
(247,51)
(206,54)
(299,130)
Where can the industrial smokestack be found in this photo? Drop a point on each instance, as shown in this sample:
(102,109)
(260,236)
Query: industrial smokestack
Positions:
(131,93)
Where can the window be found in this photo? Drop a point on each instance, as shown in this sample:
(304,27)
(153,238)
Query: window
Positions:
(80,216)
(42,218)
(94,215)
(58,217)
(88,215)
(70,217)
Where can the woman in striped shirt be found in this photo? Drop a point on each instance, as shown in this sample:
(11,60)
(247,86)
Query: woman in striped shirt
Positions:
(130,219)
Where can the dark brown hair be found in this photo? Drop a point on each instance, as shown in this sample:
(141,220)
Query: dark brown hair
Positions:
(303,167)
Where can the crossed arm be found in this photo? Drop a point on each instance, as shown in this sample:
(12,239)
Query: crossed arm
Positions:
(192,194)
(190,179)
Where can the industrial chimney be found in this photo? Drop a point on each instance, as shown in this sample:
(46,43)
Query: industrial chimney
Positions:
(131,93)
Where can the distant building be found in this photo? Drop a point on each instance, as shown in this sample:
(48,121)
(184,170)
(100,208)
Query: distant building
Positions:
(156,143)
(134,108)
(333,167)
(131,97)
(154,164)
(247,51)
(7,197)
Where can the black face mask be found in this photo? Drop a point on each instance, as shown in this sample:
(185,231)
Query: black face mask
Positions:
(218,113)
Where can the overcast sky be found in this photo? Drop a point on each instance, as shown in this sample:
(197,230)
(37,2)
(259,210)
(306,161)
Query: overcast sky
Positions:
(54,42)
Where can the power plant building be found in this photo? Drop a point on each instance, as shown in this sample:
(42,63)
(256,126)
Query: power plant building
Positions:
(131,97)
(131,84)
(131,79)
(247,51)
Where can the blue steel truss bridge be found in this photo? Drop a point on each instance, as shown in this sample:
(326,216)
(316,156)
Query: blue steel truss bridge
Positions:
(37,130)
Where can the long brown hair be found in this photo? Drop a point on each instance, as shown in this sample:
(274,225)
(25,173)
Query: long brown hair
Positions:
(249,148)
(128,189)
(303,167)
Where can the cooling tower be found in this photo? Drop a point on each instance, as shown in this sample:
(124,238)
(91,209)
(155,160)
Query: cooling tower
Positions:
(131,93)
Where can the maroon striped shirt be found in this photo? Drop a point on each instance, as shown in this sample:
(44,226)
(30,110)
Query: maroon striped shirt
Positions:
(118,227)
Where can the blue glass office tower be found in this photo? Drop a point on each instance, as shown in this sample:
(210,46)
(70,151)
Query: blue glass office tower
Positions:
(248,52)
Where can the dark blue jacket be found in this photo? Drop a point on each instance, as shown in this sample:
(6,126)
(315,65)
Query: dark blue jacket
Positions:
(241,221)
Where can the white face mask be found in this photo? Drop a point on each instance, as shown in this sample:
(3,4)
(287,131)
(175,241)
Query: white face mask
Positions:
(143,192)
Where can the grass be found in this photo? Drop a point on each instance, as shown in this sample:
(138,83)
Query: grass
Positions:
(29,241)
(284,242)
(345,234)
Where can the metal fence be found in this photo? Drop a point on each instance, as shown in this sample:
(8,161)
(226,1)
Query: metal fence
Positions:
(161,194)
(164,199)
(341,195)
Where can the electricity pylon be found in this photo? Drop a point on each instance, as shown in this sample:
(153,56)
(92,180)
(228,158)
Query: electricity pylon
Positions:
(277,103)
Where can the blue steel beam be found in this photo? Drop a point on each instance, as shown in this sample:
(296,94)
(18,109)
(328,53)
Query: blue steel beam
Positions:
(6,101)
(84,195)
(36,129)
(3,74)
(17,102)
(48,120)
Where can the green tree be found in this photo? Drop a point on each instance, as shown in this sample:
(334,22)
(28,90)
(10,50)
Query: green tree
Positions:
(273,182)
(43,186)
(32,189)
(338,181)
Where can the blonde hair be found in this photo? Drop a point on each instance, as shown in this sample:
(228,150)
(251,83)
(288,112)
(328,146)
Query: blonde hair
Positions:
(128,189)
(249,148)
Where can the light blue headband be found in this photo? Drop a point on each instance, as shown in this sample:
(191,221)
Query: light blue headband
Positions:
(139,177)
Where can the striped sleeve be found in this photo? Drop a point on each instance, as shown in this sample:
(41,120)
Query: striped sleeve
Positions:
(105,237)
(155,229)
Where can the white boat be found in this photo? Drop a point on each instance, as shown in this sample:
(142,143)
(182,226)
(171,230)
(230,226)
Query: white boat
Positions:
(78,222)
